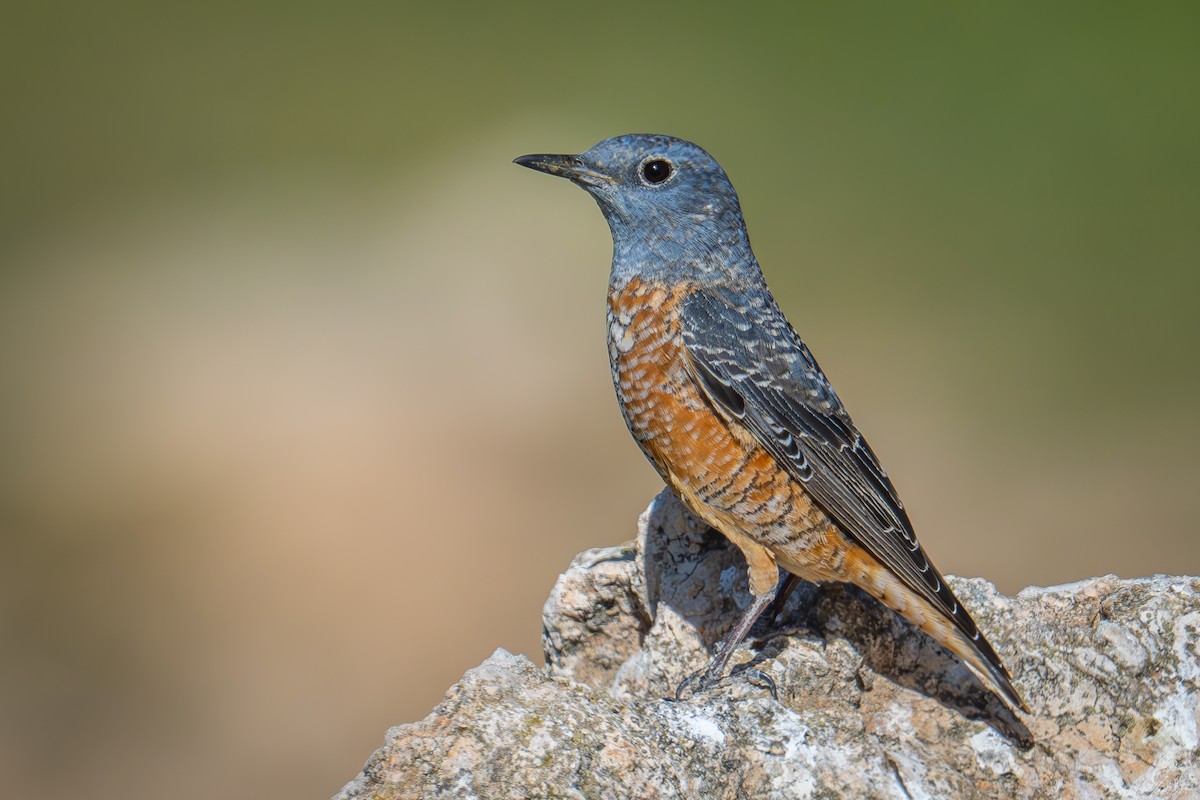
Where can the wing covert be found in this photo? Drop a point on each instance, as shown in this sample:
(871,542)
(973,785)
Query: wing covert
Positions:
(756,370)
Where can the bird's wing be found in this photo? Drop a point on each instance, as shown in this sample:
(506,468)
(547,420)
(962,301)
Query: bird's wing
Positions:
(755,368)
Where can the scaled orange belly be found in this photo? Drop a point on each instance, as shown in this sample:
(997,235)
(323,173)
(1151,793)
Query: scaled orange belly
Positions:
(714,464)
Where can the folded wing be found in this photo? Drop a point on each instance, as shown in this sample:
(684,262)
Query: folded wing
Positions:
(756,370)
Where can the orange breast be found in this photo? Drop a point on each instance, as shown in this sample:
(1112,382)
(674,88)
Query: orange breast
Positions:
(714,464)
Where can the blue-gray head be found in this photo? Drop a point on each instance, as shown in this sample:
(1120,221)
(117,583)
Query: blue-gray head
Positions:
(670,206)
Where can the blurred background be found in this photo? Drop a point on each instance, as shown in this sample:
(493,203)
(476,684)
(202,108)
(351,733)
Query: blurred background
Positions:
(305,402)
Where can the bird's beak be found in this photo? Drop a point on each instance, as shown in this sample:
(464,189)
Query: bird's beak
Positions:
(564,166)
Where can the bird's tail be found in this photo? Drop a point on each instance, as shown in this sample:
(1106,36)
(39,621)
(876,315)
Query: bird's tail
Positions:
(991,673)
(975,651)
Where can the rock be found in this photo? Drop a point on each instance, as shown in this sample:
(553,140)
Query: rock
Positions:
(868,706)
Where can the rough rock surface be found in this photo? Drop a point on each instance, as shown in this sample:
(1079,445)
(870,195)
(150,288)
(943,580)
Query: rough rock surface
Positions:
(868,706)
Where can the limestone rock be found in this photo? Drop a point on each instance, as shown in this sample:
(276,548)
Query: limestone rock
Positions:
(868,706)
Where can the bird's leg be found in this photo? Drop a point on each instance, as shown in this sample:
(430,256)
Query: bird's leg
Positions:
(711,675)
(763,577)
(790,582)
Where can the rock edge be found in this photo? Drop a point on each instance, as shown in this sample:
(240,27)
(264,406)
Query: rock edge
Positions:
(868,706)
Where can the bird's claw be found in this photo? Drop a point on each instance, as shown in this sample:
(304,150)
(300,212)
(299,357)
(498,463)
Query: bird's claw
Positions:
(702,687)
(700,682)
(761,679)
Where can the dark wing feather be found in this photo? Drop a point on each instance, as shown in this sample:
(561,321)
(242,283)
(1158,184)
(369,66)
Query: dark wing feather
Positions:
(754,367)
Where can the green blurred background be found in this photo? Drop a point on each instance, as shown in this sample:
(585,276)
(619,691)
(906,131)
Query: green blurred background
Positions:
(305,401)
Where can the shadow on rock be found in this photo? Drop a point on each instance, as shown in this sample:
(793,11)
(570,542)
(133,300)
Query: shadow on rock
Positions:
(694,572)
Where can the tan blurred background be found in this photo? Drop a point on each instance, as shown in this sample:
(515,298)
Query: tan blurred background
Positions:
(305,400)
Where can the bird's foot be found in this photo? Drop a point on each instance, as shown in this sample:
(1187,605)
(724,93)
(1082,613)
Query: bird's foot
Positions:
(710,676)
(705,680)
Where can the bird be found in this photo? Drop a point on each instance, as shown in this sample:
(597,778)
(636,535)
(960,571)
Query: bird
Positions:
(731,408)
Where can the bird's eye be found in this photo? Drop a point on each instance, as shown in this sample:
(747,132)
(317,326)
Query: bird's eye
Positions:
(656,170)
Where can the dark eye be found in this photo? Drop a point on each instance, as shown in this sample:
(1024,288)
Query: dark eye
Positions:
(656,170)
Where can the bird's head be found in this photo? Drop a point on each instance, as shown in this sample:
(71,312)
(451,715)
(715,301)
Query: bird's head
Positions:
(663,197)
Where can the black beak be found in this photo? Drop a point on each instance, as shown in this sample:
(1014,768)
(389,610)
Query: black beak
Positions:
(564,166)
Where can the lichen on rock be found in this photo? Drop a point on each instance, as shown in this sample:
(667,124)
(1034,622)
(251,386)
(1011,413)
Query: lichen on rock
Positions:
(867,705)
